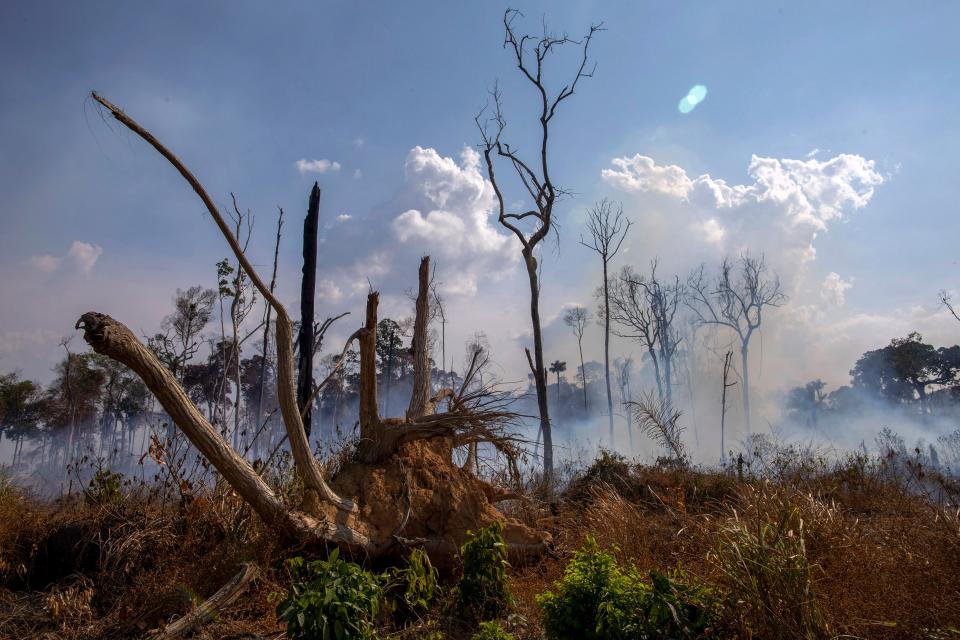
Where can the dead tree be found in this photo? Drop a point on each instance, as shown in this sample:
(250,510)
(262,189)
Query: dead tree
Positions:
(736,301)
(268,311)
(608,227)
(577,318)
(633,317)
(441,314)
(308,292)
(403,487)
(728,356)
(664,300)
(533,225)
(622,368)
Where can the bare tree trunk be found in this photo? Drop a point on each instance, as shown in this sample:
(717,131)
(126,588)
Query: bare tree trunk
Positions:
(656,373)
(583,375)
(539,372)
(369,409)
(606,347)
(744,364)
(723,406)
(668,378)
(420,345)
(307,297)
(266,321)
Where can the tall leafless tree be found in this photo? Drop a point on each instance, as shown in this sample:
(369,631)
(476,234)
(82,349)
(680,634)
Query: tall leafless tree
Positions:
(607,227)
(576,318)
(533,225)
(440,312)
(643,308)
(664,300)
(267,314)
(727,357)
(736,300)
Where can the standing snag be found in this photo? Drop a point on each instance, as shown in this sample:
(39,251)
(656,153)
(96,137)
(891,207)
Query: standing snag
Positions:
(608,227)
(531,227)
(308,292)
(736,301)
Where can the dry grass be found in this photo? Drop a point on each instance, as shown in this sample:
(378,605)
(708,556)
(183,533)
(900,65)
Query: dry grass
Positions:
(866,549)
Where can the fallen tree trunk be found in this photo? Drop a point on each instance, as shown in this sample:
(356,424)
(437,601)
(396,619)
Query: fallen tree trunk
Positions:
(113,339)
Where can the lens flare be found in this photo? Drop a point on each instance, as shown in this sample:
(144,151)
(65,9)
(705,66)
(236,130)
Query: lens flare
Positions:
(694,97)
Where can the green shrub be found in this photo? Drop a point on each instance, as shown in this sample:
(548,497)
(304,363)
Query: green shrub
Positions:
(591,580)
(415,584)
(491,631)
(104,489)
(597,599)
(330,600)
(483,592)
(678,607)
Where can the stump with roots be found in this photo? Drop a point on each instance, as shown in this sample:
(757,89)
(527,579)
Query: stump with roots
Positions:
(403,486)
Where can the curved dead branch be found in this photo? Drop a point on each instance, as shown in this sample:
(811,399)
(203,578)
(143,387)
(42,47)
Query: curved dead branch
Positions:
(307,466)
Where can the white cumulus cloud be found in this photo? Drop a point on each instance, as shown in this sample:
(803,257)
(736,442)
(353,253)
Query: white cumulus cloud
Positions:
(81,257)
(445,209)
(318,166)
(779,213)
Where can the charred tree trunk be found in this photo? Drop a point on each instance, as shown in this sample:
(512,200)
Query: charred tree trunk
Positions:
(539,371)
(308,287)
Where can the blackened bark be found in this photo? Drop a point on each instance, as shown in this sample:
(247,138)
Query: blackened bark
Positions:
(307,295)
(539,371)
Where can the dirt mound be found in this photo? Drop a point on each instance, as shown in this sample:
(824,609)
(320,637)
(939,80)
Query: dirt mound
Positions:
(420,496)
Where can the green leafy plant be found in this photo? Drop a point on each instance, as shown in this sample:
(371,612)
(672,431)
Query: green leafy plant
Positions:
(592,581)
(678,607)
(416,583)
(491,631)
(411,589)
(597,598)
(104,488)
(330,599)
(483,592)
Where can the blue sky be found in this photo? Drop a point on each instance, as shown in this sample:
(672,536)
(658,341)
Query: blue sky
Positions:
(242,91)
